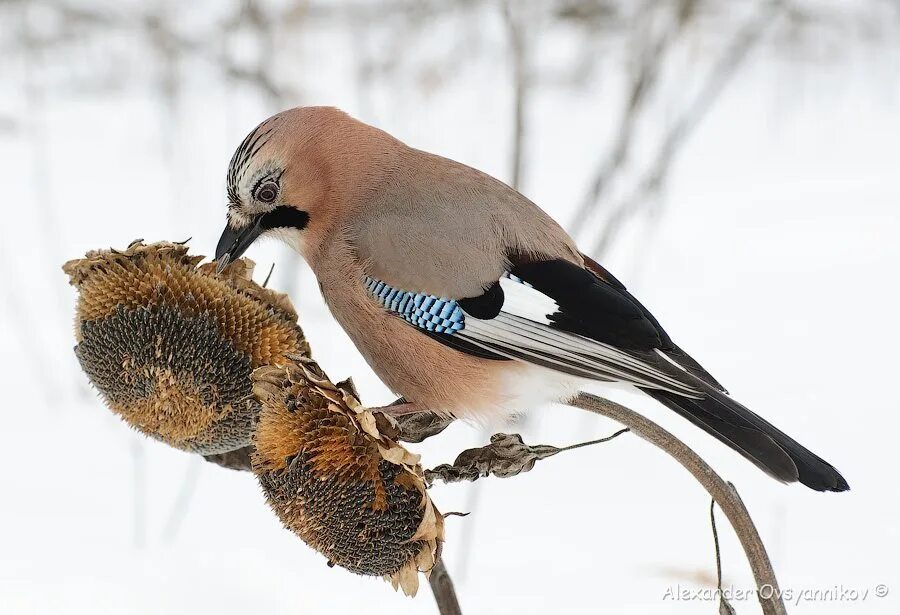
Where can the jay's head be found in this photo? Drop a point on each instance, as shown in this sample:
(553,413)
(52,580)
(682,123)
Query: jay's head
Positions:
(284,177)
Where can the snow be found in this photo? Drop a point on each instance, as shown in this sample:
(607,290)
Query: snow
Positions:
(774,262)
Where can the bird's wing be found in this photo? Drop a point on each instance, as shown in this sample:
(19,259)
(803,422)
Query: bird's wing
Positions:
(448,232)
(440,227)
(583,322)
(551,313)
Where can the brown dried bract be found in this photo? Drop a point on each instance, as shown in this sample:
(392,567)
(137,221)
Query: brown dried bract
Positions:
(171,345)
(345,488)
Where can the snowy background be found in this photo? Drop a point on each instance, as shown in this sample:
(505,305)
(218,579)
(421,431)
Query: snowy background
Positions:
(748,194)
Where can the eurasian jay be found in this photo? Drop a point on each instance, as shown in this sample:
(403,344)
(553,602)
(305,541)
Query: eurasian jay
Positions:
(462,295)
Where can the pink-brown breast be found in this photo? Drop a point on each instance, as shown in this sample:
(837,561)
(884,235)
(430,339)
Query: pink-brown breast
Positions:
(421,369)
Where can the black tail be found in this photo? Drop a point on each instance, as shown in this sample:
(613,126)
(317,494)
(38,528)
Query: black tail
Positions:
(765,445)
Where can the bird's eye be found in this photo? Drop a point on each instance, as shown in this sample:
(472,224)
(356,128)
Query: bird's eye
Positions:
(266,192)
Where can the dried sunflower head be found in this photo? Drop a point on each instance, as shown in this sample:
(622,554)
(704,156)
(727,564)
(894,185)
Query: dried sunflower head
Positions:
(171,346)
(337,481)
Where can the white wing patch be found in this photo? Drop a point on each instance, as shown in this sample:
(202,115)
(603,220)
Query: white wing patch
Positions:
(522,331)
(521,299)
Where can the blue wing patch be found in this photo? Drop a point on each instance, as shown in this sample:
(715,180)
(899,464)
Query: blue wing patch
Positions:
(423,310)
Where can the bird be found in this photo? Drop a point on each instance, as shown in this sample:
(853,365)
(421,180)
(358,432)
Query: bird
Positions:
(463,296)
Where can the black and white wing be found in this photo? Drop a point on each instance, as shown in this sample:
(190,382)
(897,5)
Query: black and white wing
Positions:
(583,322)
(554,314)
(560,316)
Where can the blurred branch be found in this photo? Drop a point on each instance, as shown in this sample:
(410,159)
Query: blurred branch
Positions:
(139,493)
(9,125)
(48,239)
(21,324)
(721,74)
(515,22)
(182,503)
(651,56)
(162,36)
(256,76)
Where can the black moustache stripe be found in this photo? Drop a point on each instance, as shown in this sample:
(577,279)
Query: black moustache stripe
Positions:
(284,217)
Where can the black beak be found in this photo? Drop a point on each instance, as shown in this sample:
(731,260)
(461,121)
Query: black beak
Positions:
(232,244)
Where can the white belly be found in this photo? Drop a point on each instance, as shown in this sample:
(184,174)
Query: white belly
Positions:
(522,388)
